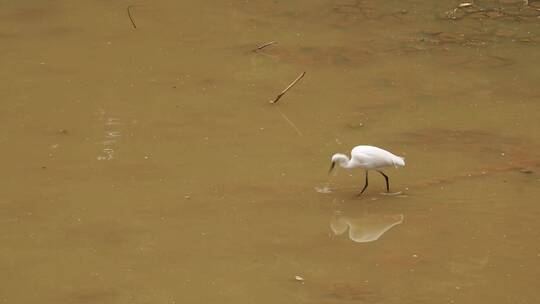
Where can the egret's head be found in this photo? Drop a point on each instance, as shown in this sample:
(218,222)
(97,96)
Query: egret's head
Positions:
(337,158)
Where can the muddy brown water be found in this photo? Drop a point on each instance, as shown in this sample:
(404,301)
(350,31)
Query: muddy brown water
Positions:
(147,166)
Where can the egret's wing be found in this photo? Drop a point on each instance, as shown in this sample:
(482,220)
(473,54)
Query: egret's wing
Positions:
(372,160)
(374,157)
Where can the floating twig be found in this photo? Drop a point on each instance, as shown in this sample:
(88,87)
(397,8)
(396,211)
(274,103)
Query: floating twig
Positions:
(288,88)
(129,15)
(262,46)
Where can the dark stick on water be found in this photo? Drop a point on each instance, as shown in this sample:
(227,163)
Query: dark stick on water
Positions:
(262,46)
(288,88)
(129,15)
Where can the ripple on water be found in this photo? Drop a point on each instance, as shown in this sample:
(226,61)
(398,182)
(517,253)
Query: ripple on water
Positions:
(110,138)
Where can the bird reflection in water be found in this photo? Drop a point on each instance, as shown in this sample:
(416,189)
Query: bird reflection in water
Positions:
(367,228)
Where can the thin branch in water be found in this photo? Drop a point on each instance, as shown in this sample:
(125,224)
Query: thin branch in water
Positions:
(262,46)
(129,15)
(288,88)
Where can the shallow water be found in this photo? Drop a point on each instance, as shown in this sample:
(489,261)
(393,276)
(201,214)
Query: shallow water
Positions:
(147,166)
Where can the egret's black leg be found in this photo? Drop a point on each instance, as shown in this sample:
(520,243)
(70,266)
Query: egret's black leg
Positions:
(386,179)
(365,186)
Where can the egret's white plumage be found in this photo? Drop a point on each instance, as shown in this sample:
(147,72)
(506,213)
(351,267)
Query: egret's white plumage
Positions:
(368,158)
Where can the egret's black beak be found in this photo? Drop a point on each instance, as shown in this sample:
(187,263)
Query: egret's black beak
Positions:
(332,167)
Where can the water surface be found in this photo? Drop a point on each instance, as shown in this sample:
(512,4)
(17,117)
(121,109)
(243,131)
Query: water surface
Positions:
(147,166)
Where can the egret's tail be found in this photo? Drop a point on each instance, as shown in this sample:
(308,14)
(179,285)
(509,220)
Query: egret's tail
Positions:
(398,161)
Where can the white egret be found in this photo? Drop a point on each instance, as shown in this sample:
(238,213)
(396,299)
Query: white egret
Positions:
(368,158)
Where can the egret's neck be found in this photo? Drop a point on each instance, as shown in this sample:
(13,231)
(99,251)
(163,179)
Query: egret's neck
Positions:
(342,160)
